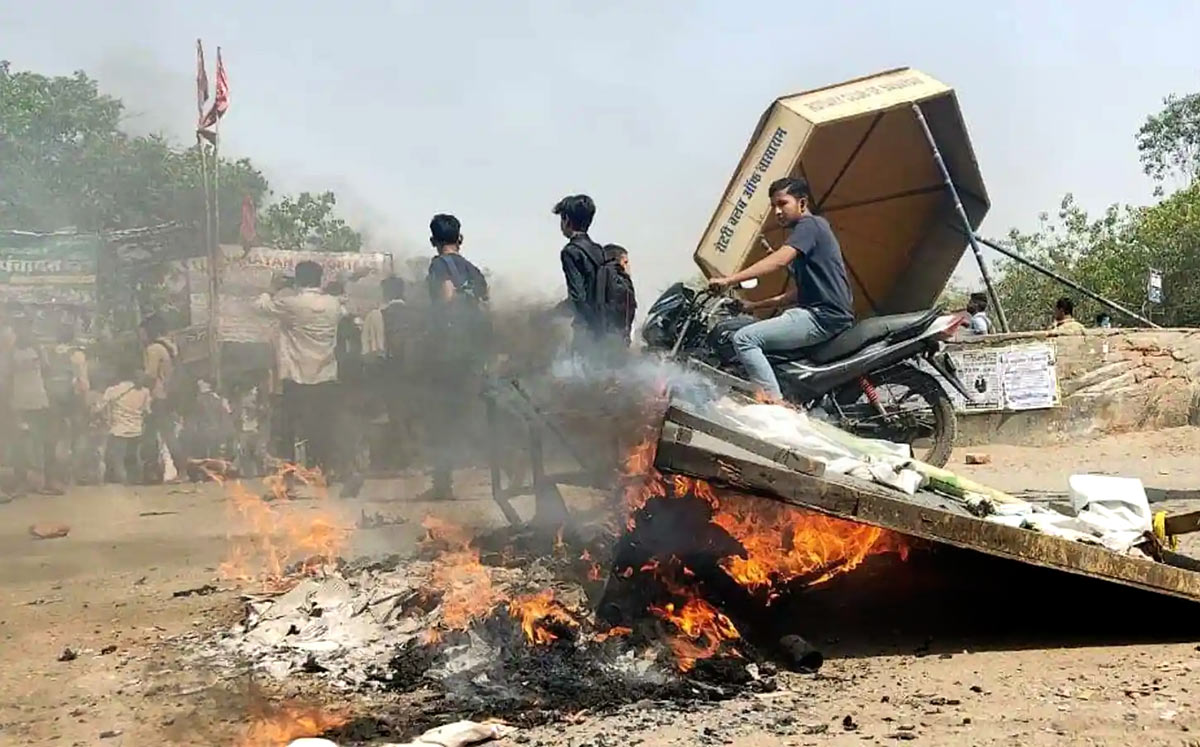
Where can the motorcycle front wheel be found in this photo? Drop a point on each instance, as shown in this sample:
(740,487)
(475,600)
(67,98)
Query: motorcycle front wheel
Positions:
(912,408)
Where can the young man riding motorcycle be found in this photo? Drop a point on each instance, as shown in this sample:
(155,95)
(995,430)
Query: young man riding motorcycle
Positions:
(814,260)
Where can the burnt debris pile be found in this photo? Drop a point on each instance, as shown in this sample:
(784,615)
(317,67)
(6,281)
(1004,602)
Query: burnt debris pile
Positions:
(675,601)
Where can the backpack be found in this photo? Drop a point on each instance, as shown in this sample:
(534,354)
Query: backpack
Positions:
(595,256)
(468,312)
(617,302)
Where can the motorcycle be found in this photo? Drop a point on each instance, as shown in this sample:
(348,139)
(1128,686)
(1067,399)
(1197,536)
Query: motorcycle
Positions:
(851,379)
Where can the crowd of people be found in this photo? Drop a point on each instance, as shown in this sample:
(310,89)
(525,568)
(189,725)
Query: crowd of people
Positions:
(145,419)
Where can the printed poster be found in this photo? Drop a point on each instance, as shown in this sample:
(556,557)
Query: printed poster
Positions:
(1030,380)
(1014,378)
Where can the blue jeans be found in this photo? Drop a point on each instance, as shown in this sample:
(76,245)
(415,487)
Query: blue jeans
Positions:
(794,328)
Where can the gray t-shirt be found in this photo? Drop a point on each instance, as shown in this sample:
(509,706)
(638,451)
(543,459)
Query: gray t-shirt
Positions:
(820,274)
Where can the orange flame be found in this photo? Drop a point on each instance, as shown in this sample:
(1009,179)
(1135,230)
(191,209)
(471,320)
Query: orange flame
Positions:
(702,630)
(277,533)
(287,723)
(535,611)
(783,542)
(465,584)
(616,631)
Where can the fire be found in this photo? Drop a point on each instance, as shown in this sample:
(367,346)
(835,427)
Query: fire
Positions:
(465,584)
(287,723)
(617,631)
(643,482)
(536,612)
(783,542)
(702,630)
(277,533)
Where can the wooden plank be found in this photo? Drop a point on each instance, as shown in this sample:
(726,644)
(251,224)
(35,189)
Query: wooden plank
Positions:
(926,516)
(683,415)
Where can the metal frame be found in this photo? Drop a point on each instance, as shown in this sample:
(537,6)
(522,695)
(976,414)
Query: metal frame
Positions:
(550,508)
(975,240)
(962,216)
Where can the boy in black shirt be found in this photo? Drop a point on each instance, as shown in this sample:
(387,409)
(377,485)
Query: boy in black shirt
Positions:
(814,259)
(581,261)
(460,336)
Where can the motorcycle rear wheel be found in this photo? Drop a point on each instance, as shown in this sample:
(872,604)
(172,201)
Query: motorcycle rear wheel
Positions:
(930,426)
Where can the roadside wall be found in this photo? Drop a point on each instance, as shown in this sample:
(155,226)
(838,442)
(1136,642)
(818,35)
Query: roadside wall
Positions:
(1110,381)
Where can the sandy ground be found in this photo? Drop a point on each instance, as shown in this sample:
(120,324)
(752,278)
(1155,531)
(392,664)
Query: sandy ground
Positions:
(1006,659)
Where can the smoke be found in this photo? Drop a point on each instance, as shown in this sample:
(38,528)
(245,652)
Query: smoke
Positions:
(156,99)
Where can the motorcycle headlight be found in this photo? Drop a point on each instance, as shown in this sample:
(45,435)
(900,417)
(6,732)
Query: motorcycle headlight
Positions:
(653,333)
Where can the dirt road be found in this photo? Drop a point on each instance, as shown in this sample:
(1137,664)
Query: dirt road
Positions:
(1004,662)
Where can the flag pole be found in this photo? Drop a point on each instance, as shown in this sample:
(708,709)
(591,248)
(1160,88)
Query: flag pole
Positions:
(214,268)
(207,206)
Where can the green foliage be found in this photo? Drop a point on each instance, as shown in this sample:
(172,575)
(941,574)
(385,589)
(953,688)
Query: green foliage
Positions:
(1112,256)
(67,163)
(308,222)
(953,298)
(1169,142)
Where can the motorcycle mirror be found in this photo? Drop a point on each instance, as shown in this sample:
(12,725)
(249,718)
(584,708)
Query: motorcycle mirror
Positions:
(750,284)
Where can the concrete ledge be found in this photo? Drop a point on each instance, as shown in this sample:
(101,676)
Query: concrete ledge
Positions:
(1111,381)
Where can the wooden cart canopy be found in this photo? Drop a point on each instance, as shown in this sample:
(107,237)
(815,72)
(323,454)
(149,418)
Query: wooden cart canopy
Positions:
(873,176)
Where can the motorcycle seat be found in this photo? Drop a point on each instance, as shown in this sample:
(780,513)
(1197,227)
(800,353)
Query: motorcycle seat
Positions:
(859,336)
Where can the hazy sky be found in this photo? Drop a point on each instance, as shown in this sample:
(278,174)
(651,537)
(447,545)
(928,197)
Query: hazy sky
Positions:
(494,110)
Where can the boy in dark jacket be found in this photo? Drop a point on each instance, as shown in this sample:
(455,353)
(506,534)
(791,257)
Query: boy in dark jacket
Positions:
(581,262)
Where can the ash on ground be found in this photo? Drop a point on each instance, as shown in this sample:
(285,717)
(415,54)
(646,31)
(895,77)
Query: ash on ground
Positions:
(499,625)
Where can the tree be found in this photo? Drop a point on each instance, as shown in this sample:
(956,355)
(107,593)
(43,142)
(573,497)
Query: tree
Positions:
(1112,256)
(67,163)
(308,222)
(1169,141)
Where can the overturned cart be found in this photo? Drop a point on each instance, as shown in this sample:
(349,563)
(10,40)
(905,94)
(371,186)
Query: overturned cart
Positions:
(783,455)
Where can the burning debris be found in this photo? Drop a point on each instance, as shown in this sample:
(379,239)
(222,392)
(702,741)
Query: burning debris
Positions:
(672,603)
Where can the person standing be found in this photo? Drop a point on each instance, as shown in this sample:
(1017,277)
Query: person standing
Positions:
(1064,317)
(30,404)
(978,322)
(67,386)
(306,359)
(814,259)
(125,406)
(391,344)
(581,261)
(460,339)
(158,357)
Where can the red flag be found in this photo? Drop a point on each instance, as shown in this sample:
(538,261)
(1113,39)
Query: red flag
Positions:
(248,231)
(221,100)
(201,81)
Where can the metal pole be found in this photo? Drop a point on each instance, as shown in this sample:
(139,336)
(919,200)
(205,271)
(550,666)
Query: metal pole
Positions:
(214,272)
(1065,281)
(962,216)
